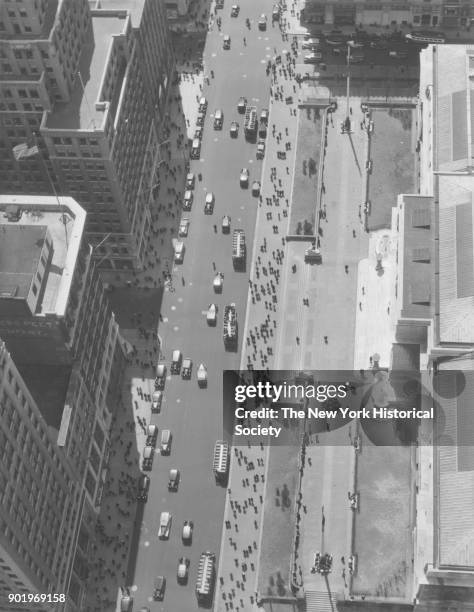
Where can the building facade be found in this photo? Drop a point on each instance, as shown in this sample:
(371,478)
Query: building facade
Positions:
(89,87)
(419,13)
(64,354)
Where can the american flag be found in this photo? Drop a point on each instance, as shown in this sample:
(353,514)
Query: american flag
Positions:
(22,151)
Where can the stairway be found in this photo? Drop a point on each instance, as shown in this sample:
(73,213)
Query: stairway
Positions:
(319,601)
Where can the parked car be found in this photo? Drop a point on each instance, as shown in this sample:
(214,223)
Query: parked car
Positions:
(143,487)
(200,119)
(244,177)
(234,129)
(151,435)
(209,204)
(196,149)
(198,133)
(156,400)
(264,116)
(173,480)
(176,360)
(187,534)
(179,249)
(159,590)
(160,376)
(260,149)
(183,227)
(226,42)
(183,568)
(310,45)
(187,368)
(147,460)
(202,105)
(218,119)
(312,58)
(188,199)
(165,525)
(190,180)
(126,604)
(242,105)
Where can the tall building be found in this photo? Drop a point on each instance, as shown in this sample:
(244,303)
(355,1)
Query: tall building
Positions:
(63,349)
(434,312)
(444,13)
(89,86)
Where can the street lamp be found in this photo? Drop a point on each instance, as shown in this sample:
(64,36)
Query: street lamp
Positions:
(346,128)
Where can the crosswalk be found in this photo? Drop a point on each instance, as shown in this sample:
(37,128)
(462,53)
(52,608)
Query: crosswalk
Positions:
(319,601)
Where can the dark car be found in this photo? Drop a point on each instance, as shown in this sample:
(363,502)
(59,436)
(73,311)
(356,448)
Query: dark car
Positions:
(143,487)
(159,588)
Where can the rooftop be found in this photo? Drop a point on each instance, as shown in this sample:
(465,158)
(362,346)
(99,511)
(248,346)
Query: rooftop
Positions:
(134,7)
(20,250)
(65,220)
(80,113)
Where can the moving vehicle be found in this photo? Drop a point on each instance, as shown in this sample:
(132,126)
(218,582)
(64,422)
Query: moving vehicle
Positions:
(218,283)
(220,464)
(187,369)
(190,180)
(312,58)
(218,119)
(312,255)
(229,330)
(262,22)
(244,177)
(165,445)
(211,315)
(256,188)
(176,360)
(226,42)
(234,11)
(187,534)
(156,400)
(173,480)
(196,149)
(209,205)
(250,123)
(206,577)
(179,251)
(200,119)
(202,375)
(356,58)
(182,572)
(147,460)
(160,376)
(165,526)
(183,227)
(336,39)
(234,129)
(264,114)
(188,199)
(398,54)
(126,604)
(151,435)
(276,12)
(202,105)
(310,45)
(159,588)
(426,37)
(260,149)
(242,105)
(239,250)
(226,224)
(143,487)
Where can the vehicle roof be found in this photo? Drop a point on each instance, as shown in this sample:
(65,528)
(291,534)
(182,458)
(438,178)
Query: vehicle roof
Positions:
(148,451)
(174,472)
(164,517)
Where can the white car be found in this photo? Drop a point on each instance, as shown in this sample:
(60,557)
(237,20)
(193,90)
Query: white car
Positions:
(211,315)
(310,45)
(187,534)
(234,12)
(202,105)
(312,58)
(234,129)
(182,573)
(190,180)
(209,205)
(242,105)
(156,400)
(196,149)
(256,188)
(226,224)
(165,526)
(262,22)
(226,42)
(188,199)
(244,177)
(183,227)
(179,251)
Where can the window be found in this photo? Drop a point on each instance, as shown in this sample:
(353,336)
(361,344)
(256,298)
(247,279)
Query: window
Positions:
(35,290)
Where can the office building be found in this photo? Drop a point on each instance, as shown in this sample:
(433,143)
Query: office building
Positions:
(88,84)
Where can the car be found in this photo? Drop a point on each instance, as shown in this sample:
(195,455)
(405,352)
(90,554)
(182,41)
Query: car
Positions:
(200,119)
(262,130)
(198,133)
(218,119)
(264,116)
(276,12)
(165,445)
(260,149)
(160,376)
(126,604)
(244,177)
(173,480)
(242,105)
(234,11)
(262,22)
(159,588)
(226,224)
(226,42)
(182,572)
(256,188)
(151,435)
(312,58)
(356,44)
(219,4)
(211,315)
(209,205)
(165,525)
(190,180)
(310,45)
(156,399)
(202,104)
(202,375)
(398,54)
(183,227)
(188,199)
(143,487)
(234,129)
(187,534)
(196,148)
(187,368)
(176,360)
(179,250)
(147,460)
(357,58)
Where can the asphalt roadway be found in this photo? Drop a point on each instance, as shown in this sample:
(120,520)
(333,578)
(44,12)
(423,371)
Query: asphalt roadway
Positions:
(195,415)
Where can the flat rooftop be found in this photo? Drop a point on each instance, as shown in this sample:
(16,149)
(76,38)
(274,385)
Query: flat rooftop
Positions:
(20,250)
(80,113)
(134,7)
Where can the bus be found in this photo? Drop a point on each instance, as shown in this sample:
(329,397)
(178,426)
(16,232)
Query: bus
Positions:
(426,37)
